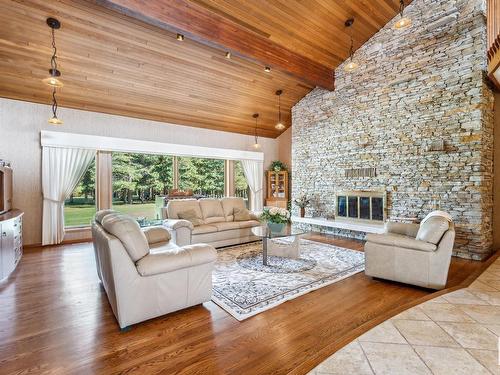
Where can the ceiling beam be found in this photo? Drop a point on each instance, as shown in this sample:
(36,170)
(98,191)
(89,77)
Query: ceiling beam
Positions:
(204,26)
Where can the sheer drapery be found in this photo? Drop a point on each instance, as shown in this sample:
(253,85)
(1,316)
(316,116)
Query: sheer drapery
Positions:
(254,173)
(62,169)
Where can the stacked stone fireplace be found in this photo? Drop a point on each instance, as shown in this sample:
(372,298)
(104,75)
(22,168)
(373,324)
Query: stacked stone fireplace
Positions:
(419,110)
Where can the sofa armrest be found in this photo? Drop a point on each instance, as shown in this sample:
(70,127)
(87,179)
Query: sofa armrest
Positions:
(405,229)
(397,240)
(176,259)
(174,224)
(254,215)
(157,234)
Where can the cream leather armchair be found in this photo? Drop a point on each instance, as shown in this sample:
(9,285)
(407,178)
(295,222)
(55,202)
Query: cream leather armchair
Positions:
(146,275)
(411,253)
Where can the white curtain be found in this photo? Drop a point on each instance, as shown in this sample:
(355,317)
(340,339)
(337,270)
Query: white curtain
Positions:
(254,173)
(62,169)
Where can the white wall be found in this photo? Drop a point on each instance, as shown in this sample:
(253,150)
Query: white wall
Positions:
(21,122)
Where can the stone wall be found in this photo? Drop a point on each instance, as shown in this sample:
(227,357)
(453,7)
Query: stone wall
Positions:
(414,86)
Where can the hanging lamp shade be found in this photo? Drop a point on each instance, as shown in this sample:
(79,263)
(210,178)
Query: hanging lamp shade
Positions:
(351,65)
(52,80)
(55,121)
(279,125)
(403,21)
(256,145)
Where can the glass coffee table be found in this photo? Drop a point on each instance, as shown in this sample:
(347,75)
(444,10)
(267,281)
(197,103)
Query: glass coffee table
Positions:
(290,250)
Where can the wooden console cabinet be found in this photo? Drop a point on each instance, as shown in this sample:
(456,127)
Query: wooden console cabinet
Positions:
(11,241)
(277,189)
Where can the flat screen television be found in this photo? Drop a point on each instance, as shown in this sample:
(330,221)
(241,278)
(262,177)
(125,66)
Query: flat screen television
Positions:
(5,188)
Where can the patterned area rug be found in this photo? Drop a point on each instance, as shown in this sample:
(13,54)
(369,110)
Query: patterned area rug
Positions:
(244,287)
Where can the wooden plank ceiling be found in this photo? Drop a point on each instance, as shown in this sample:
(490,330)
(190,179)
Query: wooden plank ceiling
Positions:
(119,64)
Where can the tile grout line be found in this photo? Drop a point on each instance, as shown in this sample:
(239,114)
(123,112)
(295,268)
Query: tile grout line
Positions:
(412,348)
(367,359)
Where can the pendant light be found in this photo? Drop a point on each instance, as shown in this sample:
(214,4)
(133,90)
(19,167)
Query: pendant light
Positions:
(279,125)
(53,79)
(256,144)
(403,22)
(351,65)
(54,120)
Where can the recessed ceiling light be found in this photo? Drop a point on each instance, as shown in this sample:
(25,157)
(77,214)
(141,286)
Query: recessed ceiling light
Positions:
(180,37)
(267,69)
(228,55)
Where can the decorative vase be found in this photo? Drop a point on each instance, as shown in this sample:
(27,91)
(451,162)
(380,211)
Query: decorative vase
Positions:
(275,227)
(302,211)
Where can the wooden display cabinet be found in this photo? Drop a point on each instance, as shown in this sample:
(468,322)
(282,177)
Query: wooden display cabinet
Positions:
(277,189)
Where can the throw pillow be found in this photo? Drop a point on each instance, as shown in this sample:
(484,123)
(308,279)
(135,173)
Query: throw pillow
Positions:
(433,229)
(241,214)
(190,215)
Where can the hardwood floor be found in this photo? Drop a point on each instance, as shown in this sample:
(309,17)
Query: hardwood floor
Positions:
(55,318)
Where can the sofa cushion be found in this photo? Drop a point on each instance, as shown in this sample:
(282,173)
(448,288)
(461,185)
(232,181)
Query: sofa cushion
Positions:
(211,209)
(102,213)
(399,240)
(127,230)
(173,259)
(175,206)
(433,229)
(190,215)
(157,234)
(205,228)
(229,204)
(241,214)
(249,223)
(222,226)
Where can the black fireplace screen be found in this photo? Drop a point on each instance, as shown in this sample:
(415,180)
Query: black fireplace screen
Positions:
(360,207)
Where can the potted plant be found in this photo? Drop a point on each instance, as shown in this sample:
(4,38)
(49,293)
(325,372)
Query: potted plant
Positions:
(302,201)
(277,166)
(276,218)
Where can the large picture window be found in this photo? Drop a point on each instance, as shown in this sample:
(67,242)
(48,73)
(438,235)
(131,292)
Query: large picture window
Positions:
(80,208)
(240,183)
(137,179)
(205,177)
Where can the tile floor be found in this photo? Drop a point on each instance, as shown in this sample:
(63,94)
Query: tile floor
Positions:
(456,333)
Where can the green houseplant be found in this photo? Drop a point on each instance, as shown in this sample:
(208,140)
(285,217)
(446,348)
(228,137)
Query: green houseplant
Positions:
(276,218)
(277,166)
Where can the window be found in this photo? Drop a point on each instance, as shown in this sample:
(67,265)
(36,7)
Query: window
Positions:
(137,180)
(205,177)
(79,208)
(241,188)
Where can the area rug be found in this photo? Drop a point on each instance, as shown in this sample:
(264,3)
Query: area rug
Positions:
(244,287)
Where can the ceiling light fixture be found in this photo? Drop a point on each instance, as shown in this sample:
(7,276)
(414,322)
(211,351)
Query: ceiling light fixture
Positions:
(267,69)
(53,80)
(279,125)
(180,37)
(54,120)
(403,22)
(351,65)
(256,144)
(228,55)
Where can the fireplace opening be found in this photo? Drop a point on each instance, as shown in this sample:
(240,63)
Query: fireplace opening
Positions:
(360,205)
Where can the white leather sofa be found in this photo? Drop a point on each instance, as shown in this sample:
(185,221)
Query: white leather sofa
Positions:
(146,275)
(412,253)
(216,217)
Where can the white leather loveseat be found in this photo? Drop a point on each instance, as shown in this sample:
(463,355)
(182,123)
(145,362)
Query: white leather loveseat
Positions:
(146,275)
(215,219)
